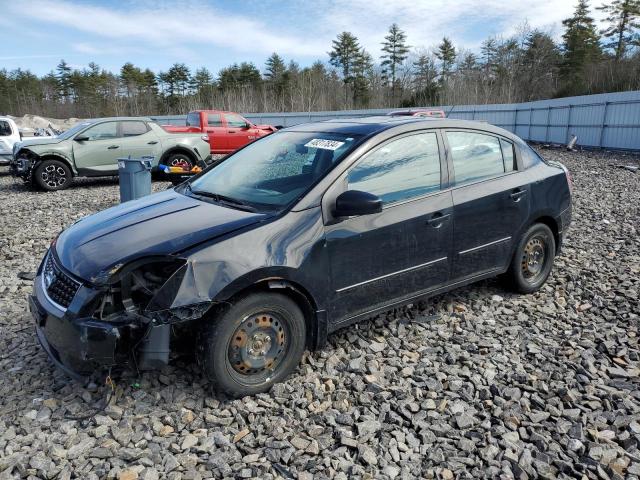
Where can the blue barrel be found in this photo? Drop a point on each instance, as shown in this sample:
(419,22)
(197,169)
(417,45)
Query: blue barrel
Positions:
(135,177)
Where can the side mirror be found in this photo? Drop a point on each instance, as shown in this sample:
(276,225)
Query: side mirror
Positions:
(355,202)
(247,126)
(81,138)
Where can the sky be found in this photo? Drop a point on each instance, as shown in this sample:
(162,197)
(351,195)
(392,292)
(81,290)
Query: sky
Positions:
(215,33)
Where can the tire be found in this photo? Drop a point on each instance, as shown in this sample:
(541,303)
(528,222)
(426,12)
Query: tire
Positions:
(532,260)
(52,175)
(179,159)
(253,344)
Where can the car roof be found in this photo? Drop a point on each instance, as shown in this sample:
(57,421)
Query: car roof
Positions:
(214,111)
(375,124)
(114,119)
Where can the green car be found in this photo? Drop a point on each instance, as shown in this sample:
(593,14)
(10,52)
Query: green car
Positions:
(92,148)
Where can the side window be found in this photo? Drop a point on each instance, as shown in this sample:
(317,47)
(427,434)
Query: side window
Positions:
(5,128)
(235,121)
(102,131)
(193,119)
(132,129)
(508,157)
(475,156)
(214,119)
(400,170)
(529,156)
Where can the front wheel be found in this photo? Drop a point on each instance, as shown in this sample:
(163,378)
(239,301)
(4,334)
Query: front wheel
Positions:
(52,175)
(533,259)
(254,344)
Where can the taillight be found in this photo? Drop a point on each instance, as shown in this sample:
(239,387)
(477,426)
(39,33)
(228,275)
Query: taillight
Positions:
(205,137)
(569,178)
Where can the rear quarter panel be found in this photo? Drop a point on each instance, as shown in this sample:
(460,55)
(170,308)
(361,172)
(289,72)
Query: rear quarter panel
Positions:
(550,194)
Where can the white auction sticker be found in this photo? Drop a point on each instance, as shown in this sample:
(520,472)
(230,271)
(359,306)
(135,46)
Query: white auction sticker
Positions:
(324,144)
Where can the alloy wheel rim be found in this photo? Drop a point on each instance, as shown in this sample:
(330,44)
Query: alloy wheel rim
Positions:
(533,258)
(54,176)
(180,162)
(258,345)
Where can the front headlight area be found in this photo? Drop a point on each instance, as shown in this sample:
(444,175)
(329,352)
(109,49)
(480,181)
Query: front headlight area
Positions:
(128,291)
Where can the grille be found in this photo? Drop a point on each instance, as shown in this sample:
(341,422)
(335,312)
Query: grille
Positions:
(60,287)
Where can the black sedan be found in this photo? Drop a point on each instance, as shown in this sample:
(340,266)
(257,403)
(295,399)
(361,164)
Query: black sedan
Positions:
(294,236)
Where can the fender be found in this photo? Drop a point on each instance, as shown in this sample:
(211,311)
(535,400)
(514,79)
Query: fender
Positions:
(180,148)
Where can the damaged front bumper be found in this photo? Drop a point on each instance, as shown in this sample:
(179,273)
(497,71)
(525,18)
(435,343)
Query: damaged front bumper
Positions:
(20,166)
(77,344)
(79,341)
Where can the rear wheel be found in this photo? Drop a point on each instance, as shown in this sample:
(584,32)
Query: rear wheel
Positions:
(254,344)
(180,160)
(52,175)
(533,259)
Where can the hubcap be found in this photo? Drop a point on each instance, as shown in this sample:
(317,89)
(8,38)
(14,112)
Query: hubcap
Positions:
(533,257)
(258,344)
(180,162)
(54,176)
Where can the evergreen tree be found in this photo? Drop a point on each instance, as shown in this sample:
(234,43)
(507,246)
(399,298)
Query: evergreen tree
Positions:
(274,68)
(581,47)
(540,62)
(447,55)
(395,51)
(425,79)
(362,72)
(623,18)
(469,63)
(344,55)
(201,82)
(63,76)
(130,77)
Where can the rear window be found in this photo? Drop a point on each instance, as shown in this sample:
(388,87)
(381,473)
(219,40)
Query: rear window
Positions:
(529,156)
(132,129)
(5,128)
(193,119)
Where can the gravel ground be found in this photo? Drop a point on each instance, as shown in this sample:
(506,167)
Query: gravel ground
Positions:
(475,383)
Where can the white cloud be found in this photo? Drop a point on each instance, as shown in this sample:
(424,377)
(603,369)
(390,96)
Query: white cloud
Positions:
(169,26)
(426,22)
(192,31)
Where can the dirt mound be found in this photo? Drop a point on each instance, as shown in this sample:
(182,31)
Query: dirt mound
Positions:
(31,122)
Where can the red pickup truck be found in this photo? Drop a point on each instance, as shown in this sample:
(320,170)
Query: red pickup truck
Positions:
(228,131)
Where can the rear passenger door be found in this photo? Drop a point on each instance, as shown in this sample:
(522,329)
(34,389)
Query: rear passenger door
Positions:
(405,249)
(138,139)
(490,198)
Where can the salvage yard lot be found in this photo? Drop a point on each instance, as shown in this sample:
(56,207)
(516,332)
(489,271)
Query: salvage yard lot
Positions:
(475,383)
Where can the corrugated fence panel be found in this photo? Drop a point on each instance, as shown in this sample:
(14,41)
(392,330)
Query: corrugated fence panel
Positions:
(607,120)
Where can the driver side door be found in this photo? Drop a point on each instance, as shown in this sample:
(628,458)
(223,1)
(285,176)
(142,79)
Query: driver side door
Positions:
(98,154)
(403,250)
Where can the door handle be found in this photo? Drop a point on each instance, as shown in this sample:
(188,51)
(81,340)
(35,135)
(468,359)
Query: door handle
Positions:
(517,195)
(152,142)
(438,219)
(231,131)
(112,147)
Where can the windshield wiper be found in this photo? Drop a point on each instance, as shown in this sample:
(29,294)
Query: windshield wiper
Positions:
(232,202)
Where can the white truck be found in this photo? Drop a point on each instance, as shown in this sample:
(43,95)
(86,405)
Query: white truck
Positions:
(9,135)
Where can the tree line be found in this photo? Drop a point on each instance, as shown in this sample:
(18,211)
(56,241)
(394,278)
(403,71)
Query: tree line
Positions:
(529,65)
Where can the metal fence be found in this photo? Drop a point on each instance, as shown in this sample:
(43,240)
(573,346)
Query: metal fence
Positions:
(608,120)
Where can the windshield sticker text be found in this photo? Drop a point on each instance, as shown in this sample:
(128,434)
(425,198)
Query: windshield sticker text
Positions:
(324,144)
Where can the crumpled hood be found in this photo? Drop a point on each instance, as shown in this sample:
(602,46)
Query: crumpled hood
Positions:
(159,224)
(268,128)
(38,141)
